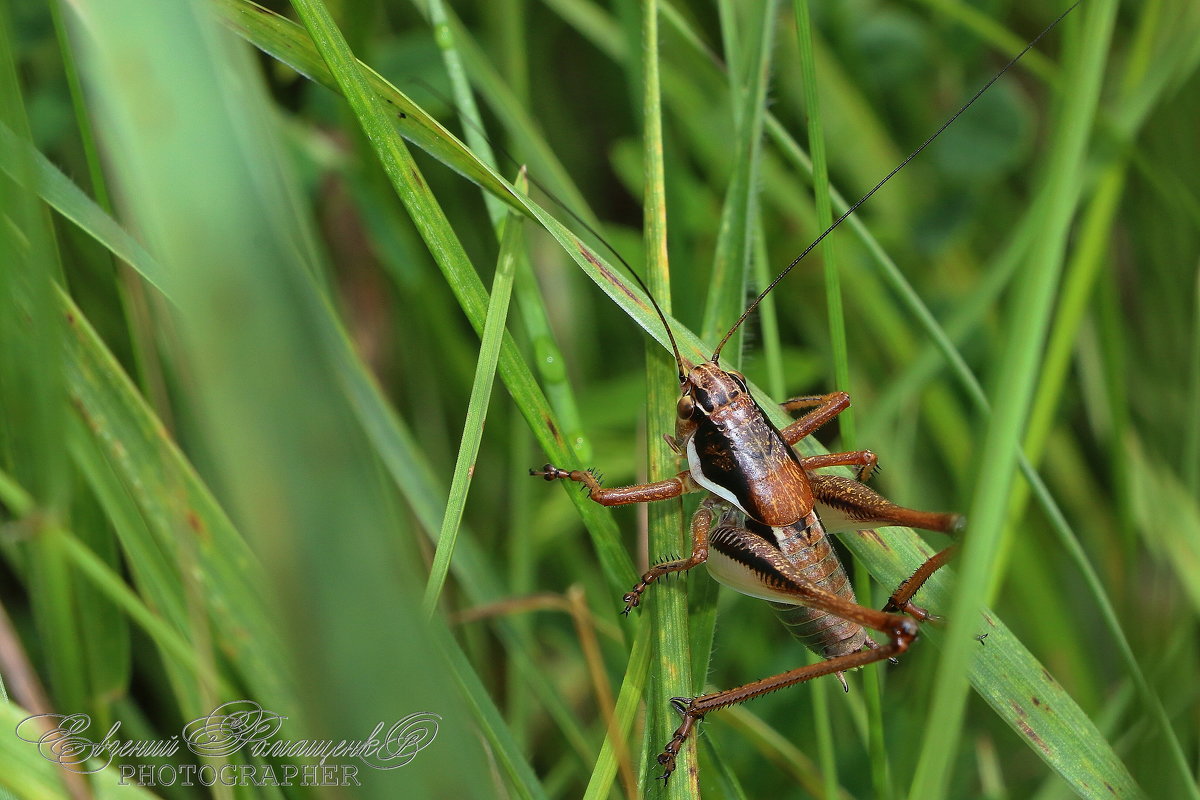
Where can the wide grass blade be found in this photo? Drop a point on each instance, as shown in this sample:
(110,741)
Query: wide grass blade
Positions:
(267,391)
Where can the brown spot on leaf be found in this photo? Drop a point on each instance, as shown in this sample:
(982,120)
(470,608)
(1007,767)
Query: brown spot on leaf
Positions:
(607,273)
(589,255)
(876,539)
(197,524)
(1033,737)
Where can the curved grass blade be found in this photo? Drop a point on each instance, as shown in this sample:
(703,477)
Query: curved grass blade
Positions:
(481,390)
(448,252)
(287,41)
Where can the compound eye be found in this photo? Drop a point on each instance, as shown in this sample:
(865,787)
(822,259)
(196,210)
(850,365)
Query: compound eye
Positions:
(685,407)
(739,379)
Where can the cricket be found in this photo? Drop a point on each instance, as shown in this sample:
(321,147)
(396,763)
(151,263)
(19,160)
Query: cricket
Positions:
(763,528)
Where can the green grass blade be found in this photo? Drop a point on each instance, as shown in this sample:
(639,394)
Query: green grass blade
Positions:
(29,775)
(32,403)
(532,143)
(1005,674)
(633,691)
(464,100)
(287,41)
(481,390)
(672,667)
(521,777)
(1191,449)
(1178,545)
(175,647)
(1018,374)
(444,245)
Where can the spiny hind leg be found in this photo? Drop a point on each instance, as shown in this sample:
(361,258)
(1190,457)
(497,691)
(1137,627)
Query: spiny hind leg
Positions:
(901,599)
(785,578)
(848,505)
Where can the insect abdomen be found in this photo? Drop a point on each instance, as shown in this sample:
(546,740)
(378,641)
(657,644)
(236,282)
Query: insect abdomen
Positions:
(825,634)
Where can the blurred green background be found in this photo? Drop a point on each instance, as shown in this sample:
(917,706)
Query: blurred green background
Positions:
(241,374)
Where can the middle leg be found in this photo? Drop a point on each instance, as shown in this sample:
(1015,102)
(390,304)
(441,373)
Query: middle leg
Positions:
(866,461)
(701,523)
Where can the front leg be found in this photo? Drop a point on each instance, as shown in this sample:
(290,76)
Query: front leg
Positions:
(701,522)
(620,495)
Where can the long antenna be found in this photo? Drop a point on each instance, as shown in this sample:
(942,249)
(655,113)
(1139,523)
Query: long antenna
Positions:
(888,177)
(579,219)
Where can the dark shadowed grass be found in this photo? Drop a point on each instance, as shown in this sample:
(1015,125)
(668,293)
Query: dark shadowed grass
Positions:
(255,512)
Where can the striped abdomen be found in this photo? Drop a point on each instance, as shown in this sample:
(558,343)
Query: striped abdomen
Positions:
(808,549)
